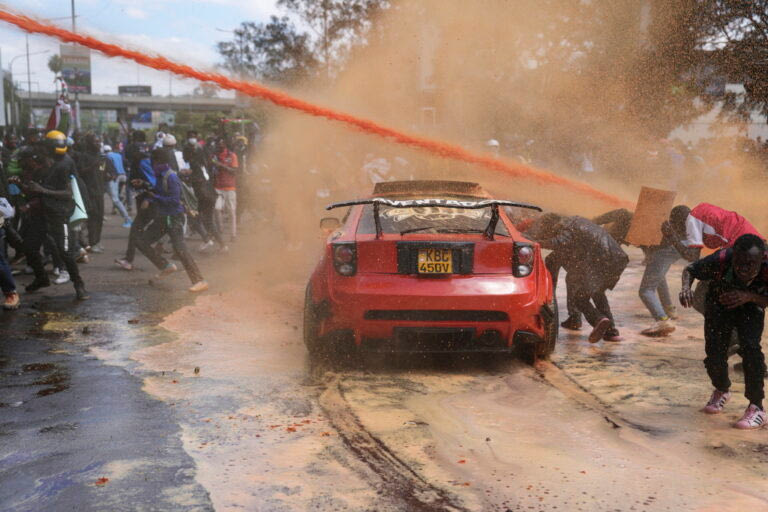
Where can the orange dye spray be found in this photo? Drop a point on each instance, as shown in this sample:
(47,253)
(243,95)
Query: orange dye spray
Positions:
(282,99)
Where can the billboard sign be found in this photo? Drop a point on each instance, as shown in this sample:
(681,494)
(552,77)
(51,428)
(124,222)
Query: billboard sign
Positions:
(76,68)
(134,90)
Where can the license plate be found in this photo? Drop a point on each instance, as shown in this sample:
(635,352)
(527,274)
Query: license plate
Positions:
(435,261)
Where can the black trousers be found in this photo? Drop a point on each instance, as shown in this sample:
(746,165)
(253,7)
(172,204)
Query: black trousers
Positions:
(173,226)
(553,264)
(95,217)
(205,219)
(205,223)
(748,321)
(144,216)
(594,304)
(49,248)
(39,227)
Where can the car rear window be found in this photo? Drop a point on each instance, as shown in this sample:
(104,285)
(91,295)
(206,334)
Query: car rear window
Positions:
(431,219)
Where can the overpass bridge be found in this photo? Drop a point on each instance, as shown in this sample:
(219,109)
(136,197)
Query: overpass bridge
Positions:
(111,107)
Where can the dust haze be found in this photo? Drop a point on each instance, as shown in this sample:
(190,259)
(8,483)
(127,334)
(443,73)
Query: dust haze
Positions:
(465,75)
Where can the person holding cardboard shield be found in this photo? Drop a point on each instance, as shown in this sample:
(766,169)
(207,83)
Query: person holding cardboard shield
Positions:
(643,229)
(654,291)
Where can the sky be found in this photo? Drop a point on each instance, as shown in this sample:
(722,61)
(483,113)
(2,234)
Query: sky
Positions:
(182,30)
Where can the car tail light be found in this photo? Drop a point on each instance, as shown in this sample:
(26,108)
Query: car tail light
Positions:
(345,258)
(522,260)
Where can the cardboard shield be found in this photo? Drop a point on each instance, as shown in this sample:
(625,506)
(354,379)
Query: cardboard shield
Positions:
(653,207)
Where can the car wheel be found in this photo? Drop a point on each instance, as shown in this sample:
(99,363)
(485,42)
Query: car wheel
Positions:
(530,352)
(311,326)
(551,330)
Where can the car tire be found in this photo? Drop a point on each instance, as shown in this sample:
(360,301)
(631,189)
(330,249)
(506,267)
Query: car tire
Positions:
(529,353)
(311,326)
(551,331)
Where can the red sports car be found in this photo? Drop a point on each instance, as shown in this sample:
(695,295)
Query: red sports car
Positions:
(430,266)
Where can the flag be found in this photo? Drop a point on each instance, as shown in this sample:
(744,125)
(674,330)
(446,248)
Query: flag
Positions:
(61,114)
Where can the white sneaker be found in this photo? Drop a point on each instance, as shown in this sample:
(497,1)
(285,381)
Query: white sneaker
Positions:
(205,246)
(63,277)
(753,418)
(56,271)
(717,402)
(168,270)
(198,287)
(659,329)
(29,270)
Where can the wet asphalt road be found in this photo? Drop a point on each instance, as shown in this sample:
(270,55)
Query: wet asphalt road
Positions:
(68,420)
(254,430)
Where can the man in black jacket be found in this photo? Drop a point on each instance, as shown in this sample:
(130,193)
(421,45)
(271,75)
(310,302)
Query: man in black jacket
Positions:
(736,300)
(91,166)
(594,262)
(198,176)
(51,204)
(134,153)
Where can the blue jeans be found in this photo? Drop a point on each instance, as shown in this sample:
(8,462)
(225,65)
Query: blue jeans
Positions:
(114,194)
(654,291)
(7,284)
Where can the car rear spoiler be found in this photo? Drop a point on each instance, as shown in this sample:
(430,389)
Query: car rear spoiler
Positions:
(493,204)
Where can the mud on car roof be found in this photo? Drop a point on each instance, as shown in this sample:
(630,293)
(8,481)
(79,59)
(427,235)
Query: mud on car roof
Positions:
(429,187)
(493,204)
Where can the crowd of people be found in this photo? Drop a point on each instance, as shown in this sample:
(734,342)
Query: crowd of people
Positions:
(52,210)
(732,293)
(52,203)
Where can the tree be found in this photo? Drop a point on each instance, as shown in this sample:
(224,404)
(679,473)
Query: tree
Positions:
(273,52)
(54,64)
(337,25)
(277,51)
(734,35)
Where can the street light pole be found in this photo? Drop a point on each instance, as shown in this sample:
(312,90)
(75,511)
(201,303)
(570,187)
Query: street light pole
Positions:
(29,82)
(77,94)
(14,117)
(12,99)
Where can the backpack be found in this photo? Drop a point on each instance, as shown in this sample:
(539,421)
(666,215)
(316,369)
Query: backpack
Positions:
(102,168)
(188,198)
(110,170)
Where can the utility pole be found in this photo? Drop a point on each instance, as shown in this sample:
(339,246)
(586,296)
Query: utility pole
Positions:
(77,94)
(29,83)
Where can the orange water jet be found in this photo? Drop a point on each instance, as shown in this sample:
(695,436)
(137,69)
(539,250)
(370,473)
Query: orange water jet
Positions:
(282,99)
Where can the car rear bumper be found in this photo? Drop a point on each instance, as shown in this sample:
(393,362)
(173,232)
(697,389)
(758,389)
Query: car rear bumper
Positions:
(401,313)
